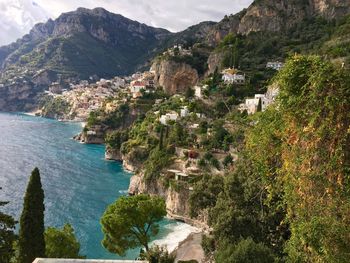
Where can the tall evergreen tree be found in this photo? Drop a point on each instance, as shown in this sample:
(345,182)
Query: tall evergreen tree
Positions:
(7,235)
(31,233)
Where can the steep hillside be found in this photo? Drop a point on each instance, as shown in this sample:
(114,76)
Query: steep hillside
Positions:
(277,16)
(84,43)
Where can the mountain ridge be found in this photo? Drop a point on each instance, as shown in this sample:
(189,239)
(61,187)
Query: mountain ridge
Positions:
(95,43)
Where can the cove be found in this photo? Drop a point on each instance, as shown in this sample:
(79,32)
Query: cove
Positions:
(78,183)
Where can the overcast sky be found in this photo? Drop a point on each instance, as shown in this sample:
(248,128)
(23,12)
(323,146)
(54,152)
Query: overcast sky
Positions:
(17,17)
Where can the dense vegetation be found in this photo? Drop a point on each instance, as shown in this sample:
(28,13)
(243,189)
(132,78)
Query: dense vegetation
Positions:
(7,235)
(131,221)
(289,189)
(33,240)
(61,243)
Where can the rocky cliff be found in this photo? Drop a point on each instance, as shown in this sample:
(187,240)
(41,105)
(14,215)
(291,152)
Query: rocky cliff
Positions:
(176,202)
(174,77)
(277,16)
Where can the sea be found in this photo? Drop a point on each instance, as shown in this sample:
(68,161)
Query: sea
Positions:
(78,182)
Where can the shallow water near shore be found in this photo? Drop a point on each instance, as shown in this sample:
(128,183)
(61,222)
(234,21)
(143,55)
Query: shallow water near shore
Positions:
(78,183)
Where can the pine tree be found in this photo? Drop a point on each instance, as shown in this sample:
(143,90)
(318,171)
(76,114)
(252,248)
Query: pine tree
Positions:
(31,233)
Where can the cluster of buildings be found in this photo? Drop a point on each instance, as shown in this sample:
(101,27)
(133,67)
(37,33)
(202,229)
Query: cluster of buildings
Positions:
(261,101)
(84,97)
(142,82)
(178,50)
(174,116)
(233,76)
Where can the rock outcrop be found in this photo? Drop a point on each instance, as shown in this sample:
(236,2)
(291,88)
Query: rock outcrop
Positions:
(277,16)
(215,61)
(174,77)
(113,154)
(177,203)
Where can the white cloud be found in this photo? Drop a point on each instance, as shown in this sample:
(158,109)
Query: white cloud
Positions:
(18,16)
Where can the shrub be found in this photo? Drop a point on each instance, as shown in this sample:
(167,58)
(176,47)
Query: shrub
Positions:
(246,251)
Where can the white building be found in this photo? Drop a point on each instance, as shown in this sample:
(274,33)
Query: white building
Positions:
(184,112)
(252,105)
(276,65)
(173,116)
(233,76)
(136,87)
(198,92)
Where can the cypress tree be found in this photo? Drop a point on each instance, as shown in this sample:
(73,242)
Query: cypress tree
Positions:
(161,138)
(31,233)
(259,108)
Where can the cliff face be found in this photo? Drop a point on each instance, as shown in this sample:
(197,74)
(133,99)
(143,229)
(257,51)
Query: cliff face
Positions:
(276,16)
(174,77)
(177,203)
(215,61)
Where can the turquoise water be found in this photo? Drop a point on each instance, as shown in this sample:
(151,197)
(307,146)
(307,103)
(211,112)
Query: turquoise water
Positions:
(78,183)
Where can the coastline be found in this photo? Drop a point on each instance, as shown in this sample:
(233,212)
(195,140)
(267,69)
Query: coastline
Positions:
(178,234)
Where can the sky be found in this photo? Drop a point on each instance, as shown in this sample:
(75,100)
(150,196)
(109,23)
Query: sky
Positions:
(17,17)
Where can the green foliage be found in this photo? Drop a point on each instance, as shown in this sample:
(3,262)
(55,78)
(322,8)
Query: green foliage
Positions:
(131,221)
(61,243)
(289,189)
(157,160)
(189,93)
(114,120)
(221,138)
(7,235)
(31,232)
(245,251)
(205,194)
(315,106)
(115,139)
(54,107)
(208,244)
(251,199)
(198,60)
(228,160)
(157,254)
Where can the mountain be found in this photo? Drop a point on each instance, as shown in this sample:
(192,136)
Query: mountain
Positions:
(84,43)
(278,16)
(96,43)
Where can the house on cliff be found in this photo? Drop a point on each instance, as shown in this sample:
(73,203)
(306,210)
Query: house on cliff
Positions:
(233,76)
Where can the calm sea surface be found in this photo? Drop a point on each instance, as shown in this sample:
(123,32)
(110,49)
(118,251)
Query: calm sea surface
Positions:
(78,183)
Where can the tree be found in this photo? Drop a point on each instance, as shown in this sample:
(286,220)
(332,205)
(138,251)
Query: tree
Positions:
(131,221)
(246,251)
(259,108)
(189,93)
(31,233)
(7,236)
(61,243)
(157,254)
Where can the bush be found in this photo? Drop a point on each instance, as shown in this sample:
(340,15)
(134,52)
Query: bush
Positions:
(246,251)
(157,254)
(228,160)
(208,244)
